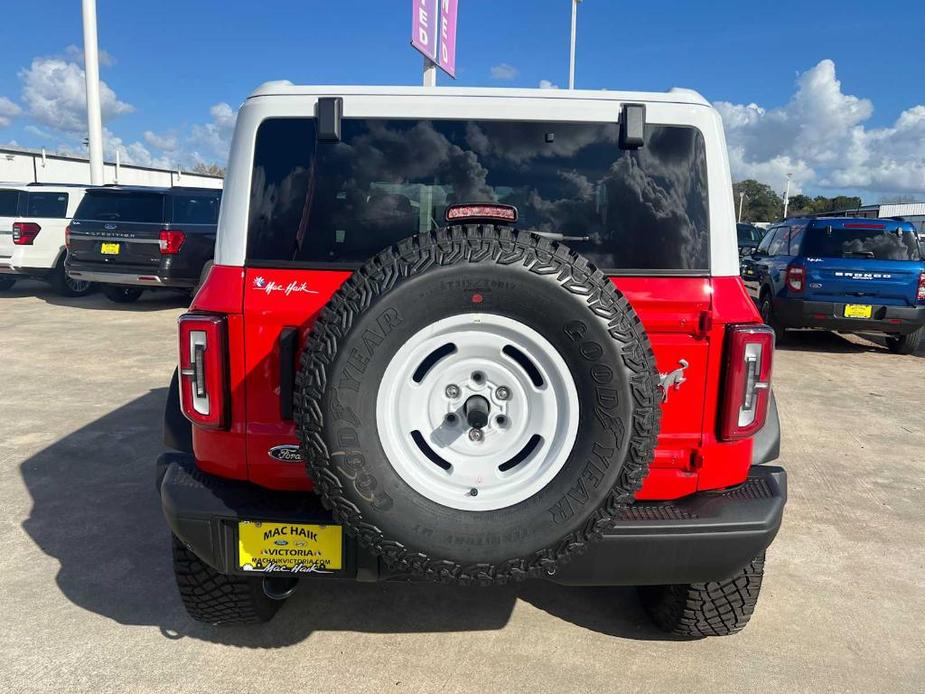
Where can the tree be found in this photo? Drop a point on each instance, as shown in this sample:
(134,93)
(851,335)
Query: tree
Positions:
(762,204)
(801,205)
(212,169)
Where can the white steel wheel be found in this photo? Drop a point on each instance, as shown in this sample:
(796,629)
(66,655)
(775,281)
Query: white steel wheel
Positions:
(477,412)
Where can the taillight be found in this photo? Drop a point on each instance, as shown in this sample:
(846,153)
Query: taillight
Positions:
(203,370)
(796,279)
(171,240)
(67,237)
(24,233)
(747,384)
(920,294)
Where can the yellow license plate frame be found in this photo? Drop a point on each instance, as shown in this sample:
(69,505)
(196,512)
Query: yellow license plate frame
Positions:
(267,547)
(858,311)
(110,248)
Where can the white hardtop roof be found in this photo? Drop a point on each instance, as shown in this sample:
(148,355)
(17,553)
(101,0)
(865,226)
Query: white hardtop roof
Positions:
(676,95)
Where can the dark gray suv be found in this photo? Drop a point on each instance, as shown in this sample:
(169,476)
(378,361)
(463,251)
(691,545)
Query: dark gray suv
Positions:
(134,238)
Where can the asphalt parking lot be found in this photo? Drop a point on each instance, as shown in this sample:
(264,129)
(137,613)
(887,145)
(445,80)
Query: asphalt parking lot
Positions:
(88,600)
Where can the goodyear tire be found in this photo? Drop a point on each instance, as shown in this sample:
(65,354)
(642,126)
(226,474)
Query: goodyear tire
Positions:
(697,610)
(477,329)
(215,598)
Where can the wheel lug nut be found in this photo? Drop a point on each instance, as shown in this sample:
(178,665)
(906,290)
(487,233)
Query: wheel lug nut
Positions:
(502,392)
(476,435)
(452,391)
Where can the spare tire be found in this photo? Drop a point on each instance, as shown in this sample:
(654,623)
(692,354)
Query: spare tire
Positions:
(476,404)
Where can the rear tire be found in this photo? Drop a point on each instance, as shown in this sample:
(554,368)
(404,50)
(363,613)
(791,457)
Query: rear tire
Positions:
(216,598)
(6,283)
(68,286)
(696,610)
(766,308)
(905,344)
(122,295)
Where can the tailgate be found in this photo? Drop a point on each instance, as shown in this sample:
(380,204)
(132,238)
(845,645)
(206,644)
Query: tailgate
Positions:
(123,243)
(6,236)
(844,280)
(123,226)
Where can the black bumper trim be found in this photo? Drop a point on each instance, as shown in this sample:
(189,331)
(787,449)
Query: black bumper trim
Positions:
(796,313)
(130,275)
(707,536)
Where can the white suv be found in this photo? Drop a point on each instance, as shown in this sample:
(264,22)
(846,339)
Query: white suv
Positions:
(33,219)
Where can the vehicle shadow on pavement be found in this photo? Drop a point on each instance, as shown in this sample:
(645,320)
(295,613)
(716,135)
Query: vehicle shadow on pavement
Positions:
(95,510)
(835,343)
(156,300)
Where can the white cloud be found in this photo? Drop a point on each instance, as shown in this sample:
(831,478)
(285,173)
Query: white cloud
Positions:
(819,136)
(54,101)
(167,142)
(503,72)
(75,53)
(38,132)
(546,84)
(134,153)
(211,141)
(54,94)
(8,111)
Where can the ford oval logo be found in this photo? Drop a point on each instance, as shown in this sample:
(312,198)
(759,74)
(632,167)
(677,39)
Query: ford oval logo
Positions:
(110,227)
(287,453)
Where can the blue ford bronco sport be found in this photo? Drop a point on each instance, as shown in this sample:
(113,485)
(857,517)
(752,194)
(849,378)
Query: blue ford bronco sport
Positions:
(844,274)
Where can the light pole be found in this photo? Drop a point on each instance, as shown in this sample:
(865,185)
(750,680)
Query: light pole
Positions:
(571,62)
(741,200)
(787,195)
(92,73)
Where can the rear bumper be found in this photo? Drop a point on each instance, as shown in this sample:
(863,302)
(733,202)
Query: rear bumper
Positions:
(796,313)
(34,266)
(707,536)
(143,276)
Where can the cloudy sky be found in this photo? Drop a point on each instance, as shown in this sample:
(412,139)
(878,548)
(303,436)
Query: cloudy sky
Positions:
(828,91)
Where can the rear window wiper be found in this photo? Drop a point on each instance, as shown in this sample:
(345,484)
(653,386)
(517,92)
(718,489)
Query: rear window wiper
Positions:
(556,236)
(858,254)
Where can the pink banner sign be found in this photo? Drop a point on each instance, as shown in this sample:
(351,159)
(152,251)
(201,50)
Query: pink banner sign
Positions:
(447,59)
(424,21)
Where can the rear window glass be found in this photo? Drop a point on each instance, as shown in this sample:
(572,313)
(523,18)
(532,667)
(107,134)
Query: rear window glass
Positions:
(748,234)
(122,207)
(9,203)
(46,204)
(195,209)
(388,179)
(880,244)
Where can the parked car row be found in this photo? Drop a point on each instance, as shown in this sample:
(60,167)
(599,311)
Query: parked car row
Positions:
(123,238)
(844,274)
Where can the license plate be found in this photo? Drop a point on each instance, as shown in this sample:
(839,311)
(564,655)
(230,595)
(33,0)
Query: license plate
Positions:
(109,248)
(858,311)
(289,547)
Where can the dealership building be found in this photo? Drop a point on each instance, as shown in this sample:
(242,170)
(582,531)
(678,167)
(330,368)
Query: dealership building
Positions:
(907,211)
(23,165)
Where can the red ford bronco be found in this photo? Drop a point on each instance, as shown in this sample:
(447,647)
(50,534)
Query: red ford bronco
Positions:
(474,336)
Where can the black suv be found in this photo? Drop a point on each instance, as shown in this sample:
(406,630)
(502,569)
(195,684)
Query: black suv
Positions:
(133,238)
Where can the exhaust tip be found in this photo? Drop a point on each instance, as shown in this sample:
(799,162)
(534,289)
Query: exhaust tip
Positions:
(279,588)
